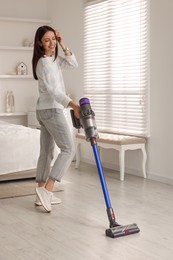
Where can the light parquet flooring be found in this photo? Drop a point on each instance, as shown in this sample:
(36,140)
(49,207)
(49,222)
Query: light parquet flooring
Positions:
(75,229)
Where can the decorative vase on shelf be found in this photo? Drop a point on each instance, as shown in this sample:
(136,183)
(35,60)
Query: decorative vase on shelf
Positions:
(26,42)
(10,102)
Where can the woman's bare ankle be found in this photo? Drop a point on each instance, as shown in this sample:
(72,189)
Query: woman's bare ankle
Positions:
(50,185)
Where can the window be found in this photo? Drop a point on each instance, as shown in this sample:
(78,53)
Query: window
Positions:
(116,64)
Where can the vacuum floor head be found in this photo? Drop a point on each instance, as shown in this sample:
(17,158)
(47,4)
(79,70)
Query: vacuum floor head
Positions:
(120,231)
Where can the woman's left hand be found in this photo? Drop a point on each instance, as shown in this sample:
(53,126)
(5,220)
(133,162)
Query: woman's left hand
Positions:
(61,42)
(59,36)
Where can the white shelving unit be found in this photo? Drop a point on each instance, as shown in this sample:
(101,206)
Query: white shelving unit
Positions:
(16,48)
(19,118)
(24,20)
(12,20)
(13,114)
(16,76)
(12,53)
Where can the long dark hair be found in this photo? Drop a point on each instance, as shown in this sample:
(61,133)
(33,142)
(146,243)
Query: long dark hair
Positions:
(38,49)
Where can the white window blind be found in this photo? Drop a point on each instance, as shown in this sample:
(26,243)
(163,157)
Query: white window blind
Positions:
(116,64)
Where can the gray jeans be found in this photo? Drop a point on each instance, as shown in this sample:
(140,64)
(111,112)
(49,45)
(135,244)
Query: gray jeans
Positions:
(54,130)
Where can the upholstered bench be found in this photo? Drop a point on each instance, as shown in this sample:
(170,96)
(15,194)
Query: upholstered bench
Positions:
(118,142)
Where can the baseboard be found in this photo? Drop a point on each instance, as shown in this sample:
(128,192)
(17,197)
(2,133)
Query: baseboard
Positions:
(135,172)
(18,175)
(155,177)
(114,167)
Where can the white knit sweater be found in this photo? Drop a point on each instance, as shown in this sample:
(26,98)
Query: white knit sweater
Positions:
(51,83)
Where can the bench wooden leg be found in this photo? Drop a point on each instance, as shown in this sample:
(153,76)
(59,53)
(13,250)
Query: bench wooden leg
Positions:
(121,163)
(144,160)
(77,154)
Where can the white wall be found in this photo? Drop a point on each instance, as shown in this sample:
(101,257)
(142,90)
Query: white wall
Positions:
(24,8)
(68,17)
(160,151)
(13,34)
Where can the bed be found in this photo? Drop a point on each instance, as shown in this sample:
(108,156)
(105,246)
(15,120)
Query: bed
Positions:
(19,149)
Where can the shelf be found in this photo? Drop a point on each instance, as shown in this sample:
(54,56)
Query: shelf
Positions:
(27,20)
(13,114)
(16,76)
(16,48)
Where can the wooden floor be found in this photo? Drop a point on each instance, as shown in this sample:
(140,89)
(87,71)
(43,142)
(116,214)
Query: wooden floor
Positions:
(75,230)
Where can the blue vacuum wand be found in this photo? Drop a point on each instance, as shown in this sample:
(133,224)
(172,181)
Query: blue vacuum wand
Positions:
(87,122)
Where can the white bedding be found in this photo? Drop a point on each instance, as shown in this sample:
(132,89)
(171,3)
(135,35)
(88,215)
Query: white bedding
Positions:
(19,148)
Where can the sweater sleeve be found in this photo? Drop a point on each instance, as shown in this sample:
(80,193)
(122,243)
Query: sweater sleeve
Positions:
(69,62)
(51,81)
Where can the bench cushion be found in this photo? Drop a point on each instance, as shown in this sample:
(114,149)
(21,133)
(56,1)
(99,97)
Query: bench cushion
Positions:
(116,139)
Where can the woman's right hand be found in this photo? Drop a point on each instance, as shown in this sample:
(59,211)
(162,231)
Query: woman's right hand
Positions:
(76,108)
(77,111)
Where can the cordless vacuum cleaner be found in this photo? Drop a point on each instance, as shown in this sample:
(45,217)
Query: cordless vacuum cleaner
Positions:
(87,122)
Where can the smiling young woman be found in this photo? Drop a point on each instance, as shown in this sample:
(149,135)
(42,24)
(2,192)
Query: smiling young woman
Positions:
(47,66)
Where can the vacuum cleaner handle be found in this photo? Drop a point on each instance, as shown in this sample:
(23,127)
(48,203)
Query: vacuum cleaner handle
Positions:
(87,119)
(75,120)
